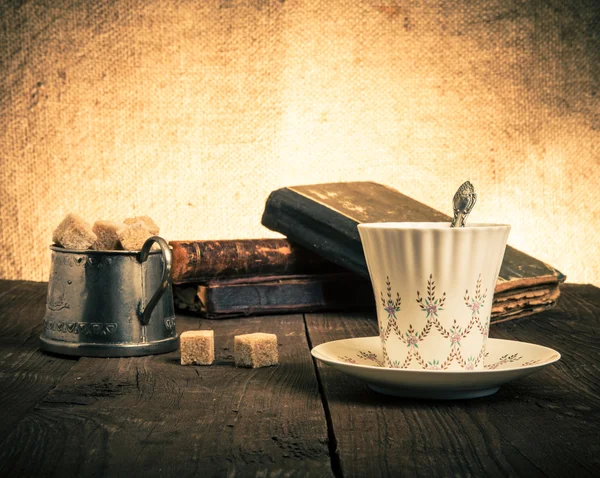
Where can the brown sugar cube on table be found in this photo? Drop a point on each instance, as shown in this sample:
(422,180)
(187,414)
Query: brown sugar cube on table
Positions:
(74,232)
(107,240)
(255,350)
(197,347)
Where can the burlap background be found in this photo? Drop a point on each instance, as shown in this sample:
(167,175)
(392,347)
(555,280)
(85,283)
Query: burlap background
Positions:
(193,111)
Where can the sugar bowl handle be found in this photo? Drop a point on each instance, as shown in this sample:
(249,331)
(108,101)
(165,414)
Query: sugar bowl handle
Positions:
(167,256)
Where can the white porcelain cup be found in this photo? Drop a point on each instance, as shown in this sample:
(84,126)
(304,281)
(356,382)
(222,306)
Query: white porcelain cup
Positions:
(433,287)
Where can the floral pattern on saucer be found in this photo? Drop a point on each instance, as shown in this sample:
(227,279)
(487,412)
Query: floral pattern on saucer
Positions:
(505,360)
(371,358)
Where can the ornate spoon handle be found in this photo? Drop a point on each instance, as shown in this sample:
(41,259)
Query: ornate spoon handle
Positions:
(464,200)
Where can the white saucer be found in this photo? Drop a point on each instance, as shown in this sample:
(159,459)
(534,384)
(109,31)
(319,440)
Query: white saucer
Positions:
(505,360)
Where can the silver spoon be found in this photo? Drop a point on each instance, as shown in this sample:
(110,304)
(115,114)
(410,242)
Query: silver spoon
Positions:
(464,200)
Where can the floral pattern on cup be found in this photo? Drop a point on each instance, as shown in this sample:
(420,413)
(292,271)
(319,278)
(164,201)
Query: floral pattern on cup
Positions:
(471,363)
(476,303)
(391,305)
(432,305)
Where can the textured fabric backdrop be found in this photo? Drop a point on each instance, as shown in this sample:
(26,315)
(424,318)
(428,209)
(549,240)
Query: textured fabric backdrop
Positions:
(193,111)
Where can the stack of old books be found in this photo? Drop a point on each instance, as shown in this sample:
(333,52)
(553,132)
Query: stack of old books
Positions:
(321,266)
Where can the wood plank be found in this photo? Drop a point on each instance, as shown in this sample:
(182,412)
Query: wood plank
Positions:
(543,424)
(150,415)
(22,307)
(26,374)
(563,434)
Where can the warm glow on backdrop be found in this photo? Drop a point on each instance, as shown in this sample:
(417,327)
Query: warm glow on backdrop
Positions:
(193,111)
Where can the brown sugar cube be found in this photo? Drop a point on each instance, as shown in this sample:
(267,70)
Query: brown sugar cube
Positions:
(133,236)
(146,221)
(74,232)
(197,347)
(255,350)
(108,240)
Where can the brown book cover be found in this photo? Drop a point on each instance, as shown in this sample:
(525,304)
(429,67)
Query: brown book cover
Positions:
(201,261)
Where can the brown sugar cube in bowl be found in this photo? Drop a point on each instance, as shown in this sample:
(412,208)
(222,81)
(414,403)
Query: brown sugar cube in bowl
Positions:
(108,240)
(197,347)
(74,232)
(133,236)
(255,350)
(146,221)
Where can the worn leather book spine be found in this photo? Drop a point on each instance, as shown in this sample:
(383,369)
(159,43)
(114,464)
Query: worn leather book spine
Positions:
(246,296)
(198,261)
(323,218)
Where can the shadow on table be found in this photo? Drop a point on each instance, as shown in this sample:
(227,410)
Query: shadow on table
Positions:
(537,389)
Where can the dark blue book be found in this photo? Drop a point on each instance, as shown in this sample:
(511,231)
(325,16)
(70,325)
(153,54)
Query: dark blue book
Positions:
(323,219)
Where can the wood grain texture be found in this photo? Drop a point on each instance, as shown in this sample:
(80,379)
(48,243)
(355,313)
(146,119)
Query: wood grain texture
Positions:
(26,377)
(544,424)
(22,307)
(26,374)
(150,415)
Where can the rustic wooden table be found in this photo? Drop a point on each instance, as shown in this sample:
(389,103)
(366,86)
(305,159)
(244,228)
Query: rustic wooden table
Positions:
(149,416)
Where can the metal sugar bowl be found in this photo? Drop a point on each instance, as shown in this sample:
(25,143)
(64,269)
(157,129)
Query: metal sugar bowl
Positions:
(110,303)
